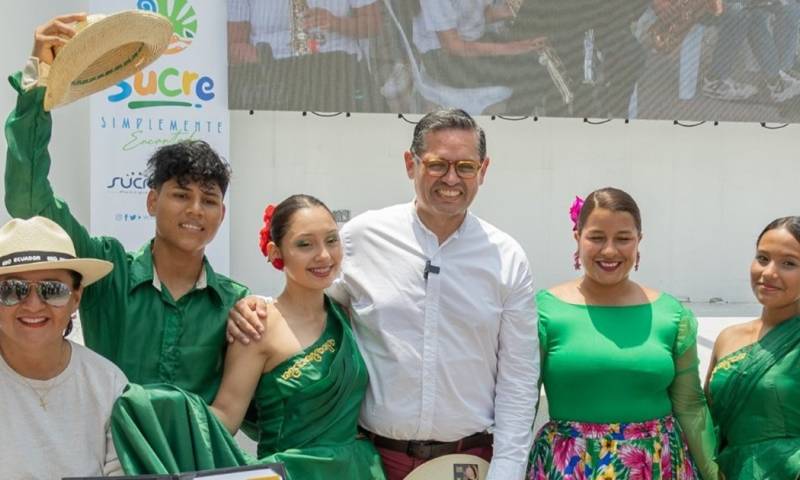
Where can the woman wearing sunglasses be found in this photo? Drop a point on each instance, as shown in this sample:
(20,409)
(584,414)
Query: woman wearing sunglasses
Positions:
(55,396)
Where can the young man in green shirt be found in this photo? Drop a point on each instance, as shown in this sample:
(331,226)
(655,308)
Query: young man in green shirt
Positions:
(161,314)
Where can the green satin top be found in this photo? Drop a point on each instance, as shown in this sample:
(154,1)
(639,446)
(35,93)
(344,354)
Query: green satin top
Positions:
(761,438)
(308,408)
(610,364)
(606,364)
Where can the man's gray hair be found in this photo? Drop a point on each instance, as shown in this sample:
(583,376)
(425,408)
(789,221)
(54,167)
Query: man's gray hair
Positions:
(453,118)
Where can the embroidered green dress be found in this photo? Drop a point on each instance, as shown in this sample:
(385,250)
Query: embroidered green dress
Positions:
(755,402)
(307,417)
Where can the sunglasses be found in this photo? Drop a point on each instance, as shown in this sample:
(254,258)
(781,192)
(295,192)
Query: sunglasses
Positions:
(436,167)
(51,292)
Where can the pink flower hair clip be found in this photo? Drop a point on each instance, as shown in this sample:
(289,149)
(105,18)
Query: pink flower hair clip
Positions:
(575,212)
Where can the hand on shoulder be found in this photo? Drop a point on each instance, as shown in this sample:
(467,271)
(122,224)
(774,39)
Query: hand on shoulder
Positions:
(247,319)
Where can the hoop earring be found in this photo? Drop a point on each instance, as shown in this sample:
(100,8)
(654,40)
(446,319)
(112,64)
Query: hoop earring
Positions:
(577,259)
(636,265)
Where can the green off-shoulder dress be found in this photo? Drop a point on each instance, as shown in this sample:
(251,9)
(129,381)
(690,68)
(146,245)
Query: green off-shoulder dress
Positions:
(755,402)
(307,413)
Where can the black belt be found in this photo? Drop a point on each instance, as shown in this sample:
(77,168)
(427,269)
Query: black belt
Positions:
(428,449)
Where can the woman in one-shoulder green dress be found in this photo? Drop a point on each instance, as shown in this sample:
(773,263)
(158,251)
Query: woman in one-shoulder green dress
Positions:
(754,380)
(308,407)
(305,376)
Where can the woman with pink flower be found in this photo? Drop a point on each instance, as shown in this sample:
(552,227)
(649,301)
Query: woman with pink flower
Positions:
(619,363)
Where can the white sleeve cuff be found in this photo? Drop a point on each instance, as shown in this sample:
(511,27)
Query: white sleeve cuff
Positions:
(503,469)
(33,71)
(266,299)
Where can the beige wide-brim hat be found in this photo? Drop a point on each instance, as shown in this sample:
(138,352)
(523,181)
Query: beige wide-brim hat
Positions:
(105,50)
(449,467)
(41,244)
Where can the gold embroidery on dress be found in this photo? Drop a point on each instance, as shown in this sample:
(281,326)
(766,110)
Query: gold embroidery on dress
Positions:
(728,362)
(296,370)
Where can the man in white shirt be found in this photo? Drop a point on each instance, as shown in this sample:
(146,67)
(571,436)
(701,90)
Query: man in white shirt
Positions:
(443,308)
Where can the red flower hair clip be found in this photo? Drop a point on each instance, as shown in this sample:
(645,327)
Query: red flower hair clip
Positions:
(263,236)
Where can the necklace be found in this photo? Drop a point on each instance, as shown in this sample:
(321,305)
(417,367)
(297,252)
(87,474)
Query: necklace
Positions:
(43,396)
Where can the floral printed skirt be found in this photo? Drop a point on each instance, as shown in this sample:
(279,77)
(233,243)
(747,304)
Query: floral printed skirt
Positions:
(651,450)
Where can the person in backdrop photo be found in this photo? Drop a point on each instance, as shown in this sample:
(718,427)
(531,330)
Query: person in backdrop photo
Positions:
(458,49)
(422,280)
(55,395)
(631,353)
(596,43)
(752,382)
(770,28)
(160,315)
(303,54)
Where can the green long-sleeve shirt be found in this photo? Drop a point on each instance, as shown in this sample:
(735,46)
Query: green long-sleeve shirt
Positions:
(124,317)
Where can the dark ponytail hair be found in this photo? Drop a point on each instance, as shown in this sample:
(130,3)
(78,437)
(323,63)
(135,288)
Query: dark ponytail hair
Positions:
(286,209)
(790,224)
(612,199)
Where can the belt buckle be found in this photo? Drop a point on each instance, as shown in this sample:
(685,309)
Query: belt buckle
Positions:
(422,450)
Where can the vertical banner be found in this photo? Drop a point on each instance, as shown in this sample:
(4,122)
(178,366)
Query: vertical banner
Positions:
(181,96)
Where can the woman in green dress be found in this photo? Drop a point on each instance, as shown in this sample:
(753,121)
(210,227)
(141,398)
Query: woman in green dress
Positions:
(754,376)
(304,375)
(619,364)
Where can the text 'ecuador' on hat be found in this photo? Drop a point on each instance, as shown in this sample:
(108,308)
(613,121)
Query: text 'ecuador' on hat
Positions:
(41,244)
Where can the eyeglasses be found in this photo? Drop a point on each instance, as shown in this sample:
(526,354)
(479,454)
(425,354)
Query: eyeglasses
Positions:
(436,167)
(52,292)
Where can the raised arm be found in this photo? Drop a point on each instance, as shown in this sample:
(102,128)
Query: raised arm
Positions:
(28,191)
(28,130)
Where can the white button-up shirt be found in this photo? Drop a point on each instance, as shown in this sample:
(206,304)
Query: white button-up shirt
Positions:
(451,355)
(467,17)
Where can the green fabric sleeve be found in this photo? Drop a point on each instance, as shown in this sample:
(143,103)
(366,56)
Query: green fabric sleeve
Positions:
(29,193)
(163,429)
(689,402)
(687,332)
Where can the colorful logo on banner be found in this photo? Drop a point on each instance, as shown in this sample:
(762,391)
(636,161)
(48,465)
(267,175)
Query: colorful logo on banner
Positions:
(168,86)
(182,17)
